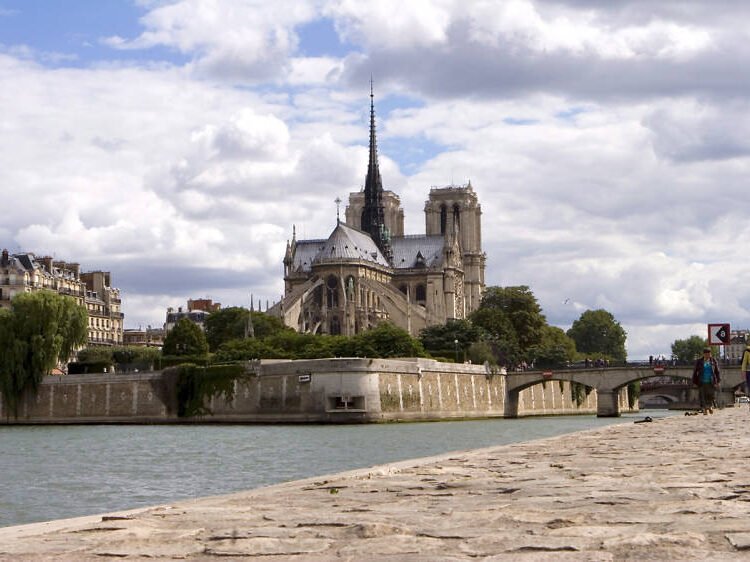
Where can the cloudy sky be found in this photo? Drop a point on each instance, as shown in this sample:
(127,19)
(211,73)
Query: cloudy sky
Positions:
(176,142)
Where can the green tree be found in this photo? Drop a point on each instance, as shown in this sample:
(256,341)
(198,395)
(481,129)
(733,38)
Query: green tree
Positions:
(555,350)
(441,340)
(237,322)
(226,324)
(186,338)
(522,310)
(388,340)
(39,331)
(687,350)
(597,331)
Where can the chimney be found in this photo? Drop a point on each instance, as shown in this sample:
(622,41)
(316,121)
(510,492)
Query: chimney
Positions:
(75,268)
(47,262)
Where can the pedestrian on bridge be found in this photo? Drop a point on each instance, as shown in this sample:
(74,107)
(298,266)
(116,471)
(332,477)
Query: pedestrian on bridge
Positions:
(746,368)
(706,377)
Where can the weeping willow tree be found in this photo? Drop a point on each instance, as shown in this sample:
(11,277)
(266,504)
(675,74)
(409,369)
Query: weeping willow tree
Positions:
(39,331)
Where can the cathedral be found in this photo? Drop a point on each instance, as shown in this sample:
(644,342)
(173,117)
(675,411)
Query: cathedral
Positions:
(368,271)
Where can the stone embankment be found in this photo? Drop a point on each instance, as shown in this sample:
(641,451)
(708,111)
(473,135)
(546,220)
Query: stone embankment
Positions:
(673,489)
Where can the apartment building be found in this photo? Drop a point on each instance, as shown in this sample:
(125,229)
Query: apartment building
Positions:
(25,272)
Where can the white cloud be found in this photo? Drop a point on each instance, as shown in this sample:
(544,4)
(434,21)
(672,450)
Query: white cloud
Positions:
(607,145)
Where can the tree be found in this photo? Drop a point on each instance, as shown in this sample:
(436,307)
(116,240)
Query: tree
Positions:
(687,350)
(186,338)
(388,340)
(521,308)
(39,331)
(555,350)
(597,331)
(237,322)
(226,324)
(441,340)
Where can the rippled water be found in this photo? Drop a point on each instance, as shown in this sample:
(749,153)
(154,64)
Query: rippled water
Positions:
(52,472)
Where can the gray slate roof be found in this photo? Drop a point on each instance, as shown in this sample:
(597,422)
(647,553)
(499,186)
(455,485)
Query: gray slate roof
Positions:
(348,243)
(407,249)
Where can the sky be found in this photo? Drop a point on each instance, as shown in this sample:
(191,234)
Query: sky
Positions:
(175,143)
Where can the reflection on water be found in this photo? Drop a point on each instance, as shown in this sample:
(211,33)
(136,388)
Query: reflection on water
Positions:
(52,472)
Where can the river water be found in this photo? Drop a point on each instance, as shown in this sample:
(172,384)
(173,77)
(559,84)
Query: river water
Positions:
(53,472)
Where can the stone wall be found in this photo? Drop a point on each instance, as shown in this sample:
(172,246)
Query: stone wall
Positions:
(324,390)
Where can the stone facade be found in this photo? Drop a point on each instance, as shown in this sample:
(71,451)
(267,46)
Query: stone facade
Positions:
(315,391)
(24,272)
(368,270)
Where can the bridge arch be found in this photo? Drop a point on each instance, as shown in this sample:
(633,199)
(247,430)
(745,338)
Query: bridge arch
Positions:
(608,383)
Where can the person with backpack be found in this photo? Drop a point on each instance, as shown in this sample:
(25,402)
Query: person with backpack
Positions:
(746,368)
(706,377)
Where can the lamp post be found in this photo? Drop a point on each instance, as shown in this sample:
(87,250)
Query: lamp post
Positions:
(455,343)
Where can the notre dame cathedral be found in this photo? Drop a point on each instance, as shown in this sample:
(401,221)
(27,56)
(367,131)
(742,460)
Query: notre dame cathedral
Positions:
(367,271)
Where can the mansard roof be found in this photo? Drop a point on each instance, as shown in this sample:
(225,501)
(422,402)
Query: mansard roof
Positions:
(417,251)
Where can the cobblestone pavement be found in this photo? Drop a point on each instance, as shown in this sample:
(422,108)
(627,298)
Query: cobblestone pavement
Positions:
(673,489)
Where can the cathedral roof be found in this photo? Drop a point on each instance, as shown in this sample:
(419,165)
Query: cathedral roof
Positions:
(344,243)
(347,243)
(417,251)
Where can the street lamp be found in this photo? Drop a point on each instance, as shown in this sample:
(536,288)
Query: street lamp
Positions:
(455,343)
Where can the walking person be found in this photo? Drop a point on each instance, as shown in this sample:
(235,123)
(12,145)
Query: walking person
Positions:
(706,377)
(746,368)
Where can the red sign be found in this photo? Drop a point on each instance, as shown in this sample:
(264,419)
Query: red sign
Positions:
(547,374)
(658,370)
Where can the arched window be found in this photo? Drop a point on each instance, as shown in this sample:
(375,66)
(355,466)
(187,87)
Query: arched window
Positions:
(456,215)
(443,218)
(403,289)
(332,292)
(421,294)
(335,326)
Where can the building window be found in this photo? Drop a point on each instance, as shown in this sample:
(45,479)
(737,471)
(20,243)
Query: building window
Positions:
(332,292)
(443,218)
(421,294)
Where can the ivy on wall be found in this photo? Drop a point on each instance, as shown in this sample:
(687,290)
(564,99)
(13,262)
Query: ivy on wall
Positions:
(194,386)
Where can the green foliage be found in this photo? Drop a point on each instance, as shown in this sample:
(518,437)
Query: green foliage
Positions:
(513,321)
(387,340)
(236,323)
(265,325)
(579,392)
(441,340)
(95,359)
(481,352)
(522,310)
(39,331)
(634,392)
(556,349)
(195,386)
(597,331)
(688,350)
(186,338)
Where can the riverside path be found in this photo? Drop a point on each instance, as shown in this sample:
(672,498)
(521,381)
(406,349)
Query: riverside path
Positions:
(609,381)
(673,489)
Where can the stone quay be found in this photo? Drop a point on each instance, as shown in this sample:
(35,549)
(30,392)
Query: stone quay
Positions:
(676,488)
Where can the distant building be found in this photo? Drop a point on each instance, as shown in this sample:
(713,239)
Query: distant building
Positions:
(738,339)
(367,271)
(150,337)
(25,273)
(197,312)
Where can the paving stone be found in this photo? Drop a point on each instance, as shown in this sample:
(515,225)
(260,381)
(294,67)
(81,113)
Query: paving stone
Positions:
(674,489)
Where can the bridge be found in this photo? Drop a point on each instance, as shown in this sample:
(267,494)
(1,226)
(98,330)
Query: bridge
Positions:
(610,381)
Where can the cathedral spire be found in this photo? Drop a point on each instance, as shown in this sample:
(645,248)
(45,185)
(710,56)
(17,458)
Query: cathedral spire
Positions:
(373,214)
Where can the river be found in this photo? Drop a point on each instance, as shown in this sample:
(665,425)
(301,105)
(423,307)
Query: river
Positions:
(53,472)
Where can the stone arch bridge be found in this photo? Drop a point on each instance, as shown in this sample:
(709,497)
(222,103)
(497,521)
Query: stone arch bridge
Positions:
(609,382)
